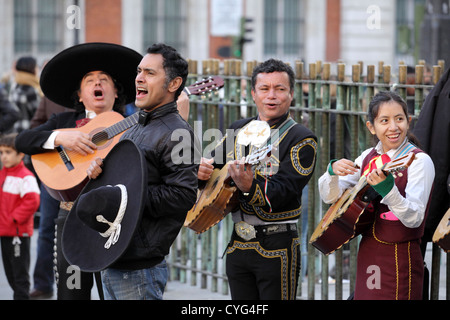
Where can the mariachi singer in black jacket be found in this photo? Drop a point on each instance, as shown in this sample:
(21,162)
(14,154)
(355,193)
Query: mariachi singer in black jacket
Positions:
(172,184)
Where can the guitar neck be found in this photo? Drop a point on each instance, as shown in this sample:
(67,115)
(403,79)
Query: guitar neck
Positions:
(186,90)
(206,85)
(122,125)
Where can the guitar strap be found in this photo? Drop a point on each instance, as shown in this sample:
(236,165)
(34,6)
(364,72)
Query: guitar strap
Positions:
(280,132)
(407,146)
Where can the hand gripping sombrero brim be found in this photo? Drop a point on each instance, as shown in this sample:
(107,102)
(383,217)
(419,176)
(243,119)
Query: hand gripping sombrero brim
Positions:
(84,247)
(62,75)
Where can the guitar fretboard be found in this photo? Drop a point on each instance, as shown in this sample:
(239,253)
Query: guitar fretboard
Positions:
(122,125)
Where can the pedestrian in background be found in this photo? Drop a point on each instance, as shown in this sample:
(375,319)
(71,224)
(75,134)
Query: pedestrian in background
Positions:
(25,92)
(19,200)
(9,113)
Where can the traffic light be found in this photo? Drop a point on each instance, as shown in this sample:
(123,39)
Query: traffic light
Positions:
(246,28)
(239,41)
(236,48)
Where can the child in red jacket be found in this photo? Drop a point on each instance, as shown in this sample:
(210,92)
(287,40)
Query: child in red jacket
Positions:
(19,200)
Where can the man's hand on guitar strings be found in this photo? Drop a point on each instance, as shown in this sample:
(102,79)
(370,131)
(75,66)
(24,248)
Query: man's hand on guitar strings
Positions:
(205,169)
(242,174)
(76,141)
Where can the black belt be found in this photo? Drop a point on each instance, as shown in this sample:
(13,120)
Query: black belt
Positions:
(269,229)
(249,232)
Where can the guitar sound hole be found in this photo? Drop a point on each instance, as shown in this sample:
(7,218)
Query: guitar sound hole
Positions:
(101,139)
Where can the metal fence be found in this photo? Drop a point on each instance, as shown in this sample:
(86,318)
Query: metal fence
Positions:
(334,107)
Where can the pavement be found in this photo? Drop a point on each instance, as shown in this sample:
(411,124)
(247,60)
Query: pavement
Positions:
(176,290)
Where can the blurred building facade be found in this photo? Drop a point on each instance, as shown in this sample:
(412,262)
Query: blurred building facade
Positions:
(308,30)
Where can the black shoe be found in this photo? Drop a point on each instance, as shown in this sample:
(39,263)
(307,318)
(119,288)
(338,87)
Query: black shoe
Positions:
(38,294)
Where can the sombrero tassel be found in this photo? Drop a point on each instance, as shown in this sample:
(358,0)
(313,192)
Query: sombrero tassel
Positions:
(115,227)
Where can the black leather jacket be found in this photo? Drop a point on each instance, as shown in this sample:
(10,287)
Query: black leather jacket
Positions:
(172,184)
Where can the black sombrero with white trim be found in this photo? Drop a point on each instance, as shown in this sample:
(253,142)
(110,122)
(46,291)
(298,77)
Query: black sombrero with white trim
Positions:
(103,219)
(62,75)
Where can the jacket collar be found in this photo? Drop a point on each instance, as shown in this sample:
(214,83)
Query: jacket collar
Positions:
(273,123)
(28,79)
(146,116)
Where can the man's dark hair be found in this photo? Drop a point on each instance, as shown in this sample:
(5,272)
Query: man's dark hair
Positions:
(273,65)
(8,140)
(174,64)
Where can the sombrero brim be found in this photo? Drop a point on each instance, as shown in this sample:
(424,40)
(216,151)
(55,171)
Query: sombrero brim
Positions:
(83,246)
(62,75)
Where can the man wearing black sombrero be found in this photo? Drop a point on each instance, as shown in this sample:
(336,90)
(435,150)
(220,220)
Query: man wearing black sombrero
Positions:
(91,78)
(167,143)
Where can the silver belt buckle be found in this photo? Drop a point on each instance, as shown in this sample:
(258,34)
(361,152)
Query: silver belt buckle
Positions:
(245,231)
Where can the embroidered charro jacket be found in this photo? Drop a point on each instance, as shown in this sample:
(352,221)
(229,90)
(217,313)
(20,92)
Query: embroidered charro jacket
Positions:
(275,195)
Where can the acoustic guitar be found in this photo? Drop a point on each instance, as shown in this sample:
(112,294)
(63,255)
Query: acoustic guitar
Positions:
(441,235)
(63,171)
(219,197)
(347,217)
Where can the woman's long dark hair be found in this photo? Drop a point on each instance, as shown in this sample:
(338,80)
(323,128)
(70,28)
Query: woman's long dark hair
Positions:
(385,97)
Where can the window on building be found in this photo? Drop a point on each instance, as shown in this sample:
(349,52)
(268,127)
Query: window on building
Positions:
(36,26)
(409,16)
(283,25)
(48,18)
(23,25)
(165,21)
